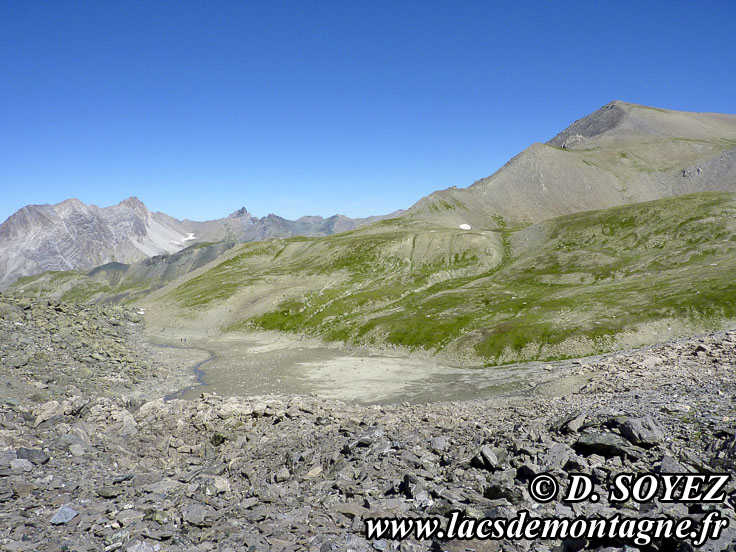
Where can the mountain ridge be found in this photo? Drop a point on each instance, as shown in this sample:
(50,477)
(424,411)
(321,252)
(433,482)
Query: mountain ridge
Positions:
(620,154)
(73,235)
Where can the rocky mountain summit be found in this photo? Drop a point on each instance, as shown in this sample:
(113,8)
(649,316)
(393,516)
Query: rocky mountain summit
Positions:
(72,235)
(620,154)
(83,471)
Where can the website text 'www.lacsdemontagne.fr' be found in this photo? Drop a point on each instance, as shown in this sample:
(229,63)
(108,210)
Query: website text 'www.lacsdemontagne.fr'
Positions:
(641,531)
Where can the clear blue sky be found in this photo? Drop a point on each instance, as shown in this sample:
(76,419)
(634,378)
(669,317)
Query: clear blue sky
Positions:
(296,108)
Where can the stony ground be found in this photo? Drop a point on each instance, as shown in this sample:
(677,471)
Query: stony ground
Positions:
(87,463)
(50,349)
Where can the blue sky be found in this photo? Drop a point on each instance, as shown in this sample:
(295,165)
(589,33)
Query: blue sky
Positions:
(297,108)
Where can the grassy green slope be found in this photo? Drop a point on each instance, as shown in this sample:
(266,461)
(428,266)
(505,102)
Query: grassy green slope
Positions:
(373,266)
(573,285)
(596,276)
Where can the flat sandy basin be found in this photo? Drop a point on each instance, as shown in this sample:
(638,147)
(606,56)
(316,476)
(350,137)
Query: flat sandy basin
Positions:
(262,363)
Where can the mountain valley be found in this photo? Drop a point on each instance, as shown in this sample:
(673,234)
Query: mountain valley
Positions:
(265,384)
(618,232)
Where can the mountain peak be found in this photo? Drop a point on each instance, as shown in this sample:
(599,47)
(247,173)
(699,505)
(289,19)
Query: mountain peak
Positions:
(72,201)
(310,219)
(242,212)
(599,122)
(67,205)
(629,121)
(134,204)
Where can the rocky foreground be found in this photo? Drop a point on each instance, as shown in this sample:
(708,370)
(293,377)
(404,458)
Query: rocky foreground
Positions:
(86,463)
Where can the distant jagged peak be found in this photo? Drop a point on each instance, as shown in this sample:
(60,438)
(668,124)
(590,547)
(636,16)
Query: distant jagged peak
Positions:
(74,204)
(132,203)
(69,207)
(72,234)
(242,212)
(131,206)
(71,202)
(273,216)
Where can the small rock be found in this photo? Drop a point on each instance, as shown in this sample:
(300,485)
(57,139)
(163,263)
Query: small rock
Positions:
(129,517)
(198,515)
(21,464)
(350,509)
(574,425)
(142,546)
(217,439)
(314,472)
(64,515)
(47,411)
(502,485)
(64,442)
(605,444)
(76,450)
(643,432)
(35,456)
(668,464)
(556,457)
(109,492)
(485,459)
(651,362)
(222,485)
(129,427)
(439,444)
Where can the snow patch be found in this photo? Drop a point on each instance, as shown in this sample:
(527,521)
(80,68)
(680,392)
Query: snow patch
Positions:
(464,227)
